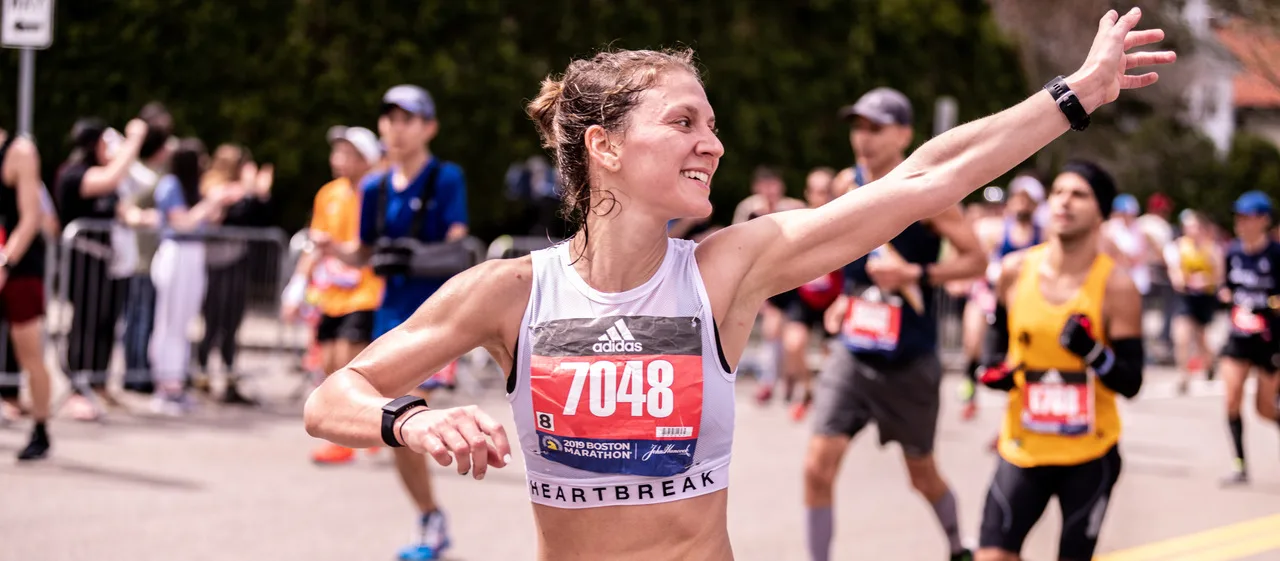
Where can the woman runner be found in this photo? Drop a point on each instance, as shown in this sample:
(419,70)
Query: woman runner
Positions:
(621,341)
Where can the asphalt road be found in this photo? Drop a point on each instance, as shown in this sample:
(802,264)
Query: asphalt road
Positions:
(237,484)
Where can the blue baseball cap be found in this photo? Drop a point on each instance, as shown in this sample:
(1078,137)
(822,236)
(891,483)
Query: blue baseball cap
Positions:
(1253,203)
(1125,204)
(883,106)
(411,98)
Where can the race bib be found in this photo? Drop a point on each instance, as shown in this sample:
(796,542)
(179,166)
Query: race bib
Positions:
(871,325)
(1058,403)
(331,272)
(618,394)
(1245,322)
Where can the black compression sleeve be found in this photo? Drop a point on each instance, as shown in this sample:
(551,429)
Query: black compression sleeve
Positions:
(1125,375)
(996,345)
(995,349)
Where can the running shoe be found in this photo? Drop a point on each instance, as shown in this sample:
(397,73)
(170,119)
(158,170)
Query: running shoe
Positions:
(430,539)
(1238,476)
(1195,364)
(331,453)
(232,396)
(172,404)
(800,410)
(967,390)
(446,378)
(81,409)
(764,393)
(970,410)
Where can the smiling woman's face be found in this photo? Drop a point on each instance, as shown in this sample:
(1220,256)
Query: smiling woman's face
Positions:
(669,152)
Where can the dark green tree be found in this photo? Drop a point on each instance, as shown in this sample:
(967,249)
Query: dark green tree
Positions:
(276,75)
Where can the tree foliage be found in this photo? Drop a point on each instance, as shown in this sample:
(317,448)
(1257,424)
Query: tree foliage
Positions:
(275,75)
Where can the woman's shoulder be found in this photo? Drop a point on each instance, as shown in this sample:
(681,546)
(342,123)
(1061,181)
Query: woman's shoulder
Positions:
(501,288)
(500,276)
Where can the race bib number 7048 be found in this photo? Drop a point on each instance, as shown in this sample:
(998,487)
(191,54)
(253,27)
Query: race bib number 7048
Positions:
(618,394)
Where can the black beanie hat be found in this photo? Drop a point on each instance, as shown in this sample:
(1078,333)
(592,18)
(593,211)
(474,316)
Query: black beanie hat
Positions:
(1104,187)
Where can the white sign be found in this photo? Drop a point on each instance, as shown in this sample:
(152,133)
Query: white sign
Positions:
(26,24)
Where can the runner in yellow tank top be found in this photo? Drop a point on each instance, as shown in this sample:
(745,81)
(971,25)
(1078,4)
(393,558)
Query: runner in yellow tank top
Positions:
(1066,340)
(1196,272)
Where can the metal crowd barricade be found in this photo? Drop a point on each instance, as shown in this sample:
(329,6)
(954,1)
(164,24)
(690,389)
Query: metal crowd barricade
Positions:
(98,314)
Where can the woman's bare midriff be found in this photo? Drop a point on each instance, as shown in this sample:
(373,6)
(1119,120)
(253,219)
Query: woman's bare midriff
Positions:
(692,529)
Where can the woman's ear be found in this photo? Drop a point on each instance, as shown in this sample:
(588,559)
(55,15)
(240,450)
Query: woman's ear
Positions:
(601,149)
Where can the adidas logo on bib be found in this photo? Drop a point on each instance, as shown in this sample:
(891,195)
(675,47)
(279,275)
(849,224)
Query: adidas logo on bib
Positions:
(618,339)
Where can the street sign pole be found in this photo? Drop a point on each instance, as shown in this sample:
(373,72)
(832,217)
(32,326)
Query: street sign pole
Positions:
(26,89)
(26,25)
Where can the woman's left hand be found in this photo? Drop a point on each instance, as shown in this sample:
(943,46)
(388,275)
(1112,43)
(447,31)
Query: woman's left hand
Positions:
(1103,74)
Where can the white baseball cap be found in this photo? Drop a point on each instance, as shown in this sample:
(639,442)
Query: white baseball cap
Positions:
(1029,185)
(363,139)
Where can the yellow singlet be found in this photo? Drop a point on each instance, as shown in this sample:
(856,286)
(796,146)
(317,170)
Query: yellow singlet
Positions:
(1058,413)
(1195,260)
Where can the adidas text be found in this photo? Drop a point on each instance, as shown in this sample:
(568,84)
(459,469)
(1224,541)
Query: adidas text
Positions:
(618,347)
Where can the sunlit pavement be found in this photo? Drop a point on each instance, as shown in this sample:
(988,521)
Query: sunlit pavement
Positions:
(237,484)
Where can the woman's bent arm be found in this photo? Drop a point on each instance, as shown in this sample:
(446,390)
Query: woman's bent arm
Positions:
(481,307)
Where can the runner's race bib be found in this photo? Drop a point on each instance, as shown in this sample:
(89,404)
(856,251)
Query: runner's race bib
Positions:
(618,394)
(872,324)
(1058,403)
(1246,322)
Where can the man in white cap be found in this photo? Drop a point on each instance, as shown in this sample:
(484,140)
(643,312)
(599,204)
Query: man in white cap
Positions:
(999,236)
(345,296)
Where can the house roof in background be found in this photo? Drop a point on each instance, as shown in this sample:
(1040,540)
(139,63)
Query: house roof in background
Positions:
(1258,50)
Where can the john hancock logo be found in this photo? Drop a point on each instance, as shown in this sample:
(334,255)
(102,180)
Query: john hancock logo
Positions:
(669,449)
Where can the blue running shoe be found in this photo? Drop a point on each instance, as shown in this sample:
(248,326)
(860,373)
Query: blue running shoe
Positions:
(430,539)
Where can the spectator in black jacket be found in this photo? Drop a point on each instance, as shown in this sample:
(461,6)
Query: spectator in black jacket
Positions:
(227,260)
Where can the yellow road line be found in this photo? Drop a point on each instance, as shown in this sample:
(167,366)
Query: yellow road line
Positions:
(1235,550)
(1227,539)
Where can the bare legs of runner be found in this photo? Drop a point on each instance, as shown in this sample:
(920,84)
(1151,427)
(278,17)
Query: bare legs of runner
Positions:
(771,320)
(1190,341)
(795,366)
(822,464)
(28,347)
(1234,374)
(974,324)
(431,535)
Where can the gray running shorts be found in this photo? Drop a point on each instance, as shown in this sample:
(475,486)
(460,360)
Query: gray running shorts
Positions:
(901,399)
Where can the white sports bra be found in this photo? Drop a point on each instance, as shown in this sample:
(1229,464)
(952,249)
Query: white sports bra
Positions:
(621,398)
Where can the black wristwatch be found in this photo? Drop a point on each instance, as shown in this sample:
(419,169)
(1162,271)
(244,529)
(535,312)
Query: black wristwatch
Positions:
(392,411)
(1068,103)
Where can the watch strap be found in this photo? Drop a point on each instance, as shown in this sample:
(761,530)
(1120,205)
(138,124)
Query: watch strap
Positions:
(391,413)
(1068,103)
